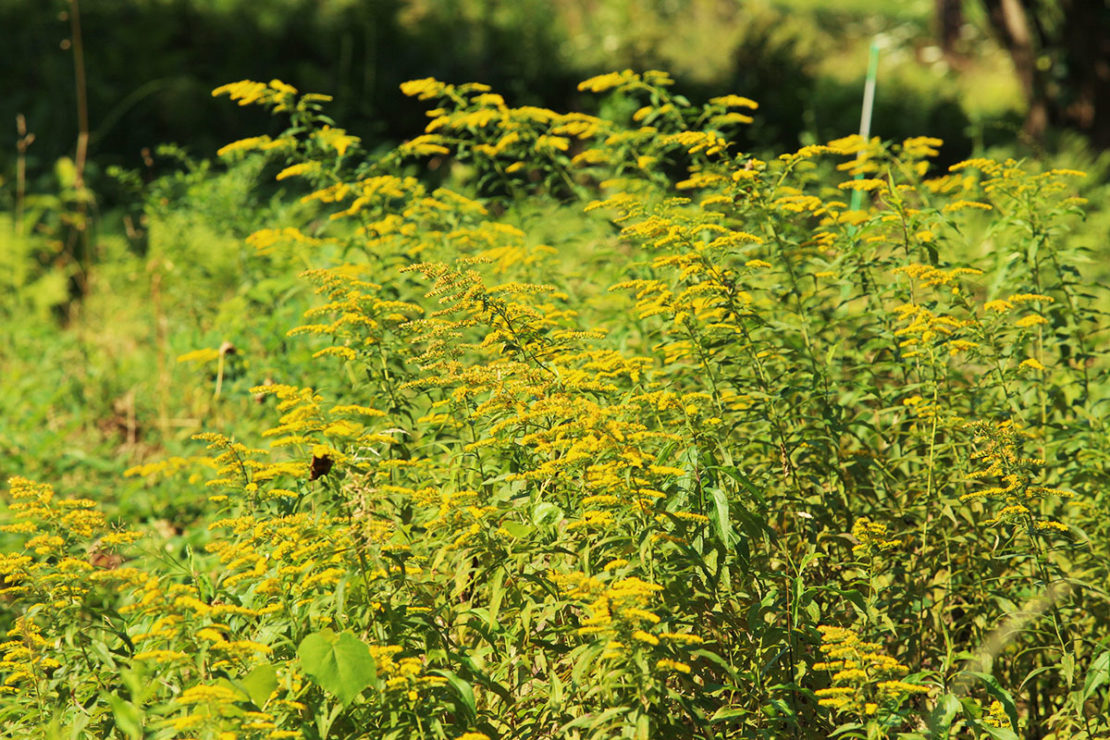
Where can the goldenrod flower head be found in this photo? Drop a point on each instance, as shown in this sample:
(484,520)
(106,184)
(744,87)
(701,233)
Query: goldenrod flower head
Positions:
(336,138)
(734,101)
(866,185)
(1031,320)
(609,81)
(425,88)
(676,666)
(998,305)
(960,205)
(872,538)
(207,694)
(920,147)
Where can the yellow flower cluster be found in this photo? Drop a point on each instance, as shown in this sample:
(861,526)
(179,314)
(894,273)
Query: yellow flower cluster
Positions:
(865,681)
(1007,478)
(872,538)
(620,618)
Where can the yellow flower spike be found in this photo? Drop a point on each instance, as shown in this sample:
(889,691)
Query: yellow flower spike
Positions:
(245,92)
(336,138)
(675,666)
(602,83)
(206,695)
(863,678)
(734,101)
(997,306)
(425,89)
(960,205)
(866,185)
(1030,321)
(242,146)
(920,147)
(1019,298)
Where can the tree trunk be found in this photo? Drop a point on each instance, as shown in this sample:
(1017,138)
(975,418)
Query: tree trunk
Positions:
(1085,36)
(950,18)
(1073,88)
(1011,22)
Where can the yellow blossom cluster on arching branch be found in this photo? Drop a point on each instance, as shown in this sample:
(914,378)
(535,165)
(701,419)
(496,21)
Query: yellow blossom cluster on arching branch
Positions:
(1003,476)
(873,539)
(925,328)
(865,681)
(619,615)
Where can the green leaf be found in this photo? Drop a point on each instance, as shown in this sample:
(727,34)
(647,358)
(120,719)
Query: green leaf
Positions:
(555,697)
(717,660)
(592,720)
(340,664)
(722,521)
(999,733)
(546,513)
(940,719)
(127,716)
(1097,675)
(744,481)
(725,714)
(1067,668)
(496,594)
(255,687)
(516,529)
(259,684)
(849,727)
(1004,696)
(464,693)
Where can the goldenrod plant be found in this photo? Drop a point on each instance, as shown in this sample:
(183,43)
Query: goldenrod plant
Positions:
(609,429)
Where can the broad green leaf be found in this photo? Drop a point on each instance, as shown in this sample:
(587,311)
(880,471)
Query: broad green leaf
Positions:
(464,693)
(546,513)
(1097,675)
(260,683)
(127,716)
(940,719)
(516,529)
(340,664)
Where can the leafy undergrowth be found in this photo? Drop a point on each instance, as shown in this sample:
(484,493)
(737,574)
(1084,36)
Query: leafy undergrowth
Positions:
(614,432)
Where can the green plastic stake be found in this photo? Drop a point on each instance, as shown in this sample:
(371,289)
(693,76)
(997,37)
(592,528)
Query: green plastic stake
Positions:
(865,114)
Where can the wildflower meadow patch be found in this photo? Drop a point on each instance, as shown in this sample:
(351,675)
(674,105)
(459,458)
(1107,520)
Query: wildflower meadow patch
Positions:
(608,429)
